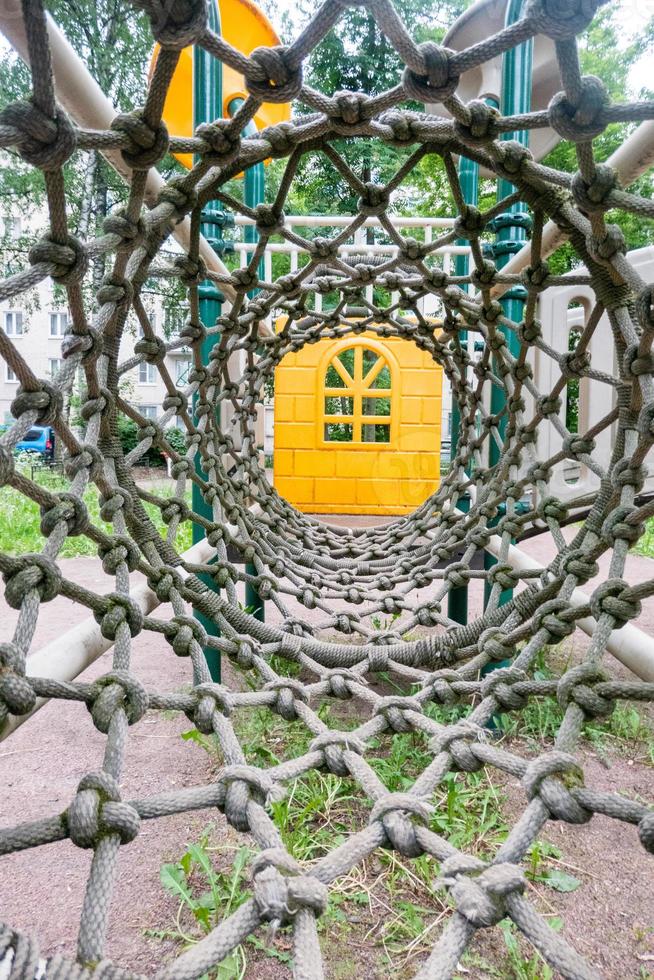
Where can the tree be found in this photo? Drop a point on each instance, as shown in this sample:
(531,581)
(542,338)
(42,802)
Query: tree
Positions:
(357,57)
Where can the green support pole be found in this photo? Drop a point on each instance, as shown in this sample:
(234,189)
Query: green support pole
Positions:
(457,600)
(207,106)
(512,227)
(253,194)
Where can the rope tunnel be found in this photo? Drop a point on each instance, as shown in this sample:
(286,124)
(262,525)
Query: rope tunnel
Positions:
(345,609)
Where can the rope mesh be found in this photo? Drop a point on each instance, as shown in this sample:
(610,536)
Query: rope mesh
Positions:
(406,569)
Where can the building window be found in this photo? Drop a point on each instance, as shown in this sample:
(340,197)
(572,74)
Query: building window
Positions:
(58,324)
(357,403)
(182,368)
(13,323)
(147,374)
(55,365)
(10,376)
(148,411)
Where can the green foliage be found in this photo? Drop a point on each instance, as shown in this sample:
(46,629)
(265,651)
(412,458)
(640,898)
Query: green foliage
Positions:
(20,517)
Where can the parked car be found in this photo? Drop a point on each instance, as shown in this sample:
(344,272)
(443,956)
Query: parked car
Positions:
(39,439)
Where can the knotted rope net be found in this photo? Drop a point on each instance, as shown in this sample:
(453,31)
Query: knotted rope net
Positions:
(406,568)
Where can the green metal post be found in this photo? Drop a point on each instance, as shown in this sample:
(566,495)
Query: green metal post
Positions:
(457,600)
(253,194)
(511,227)
(207,106)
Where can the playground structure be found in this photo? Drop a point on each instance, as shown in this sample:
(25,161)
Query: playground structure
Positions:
(498,489)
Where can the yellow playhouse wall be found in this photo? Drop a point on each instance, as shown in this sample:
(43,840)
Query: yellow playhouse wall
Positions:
(375,478)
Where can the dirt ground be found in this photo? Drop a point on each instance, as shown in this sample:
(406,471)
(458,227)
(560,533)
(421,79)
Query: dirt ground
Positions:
(610,919)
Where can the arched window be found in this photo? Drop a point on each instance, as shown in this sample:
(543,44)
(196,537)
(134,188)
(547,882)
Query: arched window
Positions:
(358,397)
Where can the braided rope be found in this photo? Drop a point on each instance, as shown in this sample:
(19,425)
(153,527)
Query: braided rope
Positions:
(405,569)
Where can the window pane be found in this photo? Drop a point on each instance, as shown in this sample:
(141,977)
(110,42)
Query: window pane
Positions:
(335,405)
(376,433)
(338,432)
(383,379)
(333,378)
(376,406)
(346,357)
(369,360)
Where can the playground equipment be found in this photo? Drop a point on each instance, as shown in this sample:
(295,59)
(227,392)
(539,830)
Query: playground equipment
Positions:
(328,585)
(244,26)
(357,426)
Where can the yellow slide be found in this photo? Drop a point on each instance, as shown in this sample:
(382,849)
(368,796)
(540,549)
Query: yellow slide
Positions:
(245,27)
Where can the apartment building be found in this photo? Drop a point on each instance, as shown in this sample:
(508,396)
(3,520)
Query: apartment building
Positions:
(37,322)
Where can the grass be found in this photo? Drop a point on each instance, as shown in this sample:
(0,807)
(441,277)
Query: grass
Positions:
(20,519)
(387,907)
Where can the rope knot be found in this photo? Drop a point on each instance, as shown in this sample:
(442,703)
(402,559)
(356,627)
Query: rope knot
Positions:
(69,259)
(561,19)
(43,141)
(511,156)
(16,694)
(440,685)
(333,746)
(182,631)
(435,80)
(223,140)
(479,891)
(115,290)
(339,680)
(501,684)
(282,138)
(495,644)
(131,233)
(402,814)
(481,127)
(210,698)
(287,691)
(470,223)
(281,890)
(614,598)
(547,617)
(457,741)
(595,197)
(610,244)
(153,349)
(179,196)
(348,109)
(374,200)
(116,550)
(541,779)
(47,401)
(616,527)
(30,572)
(394,711)
(271,78)
(118,610)
(242,785)
(579,684)
(191,271)
(177,24)
(579,564)
(584,120)
(97,812)
(147,145)
(270,220)
(68,508)
(115,691)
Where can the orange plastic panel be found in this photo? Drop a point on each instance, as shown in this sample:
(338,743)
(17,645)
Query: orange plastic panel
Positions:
(338,383)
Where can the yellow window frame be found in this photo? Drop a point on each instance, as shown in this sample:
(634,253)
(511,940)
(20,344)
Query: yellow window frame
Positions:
(358,387)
